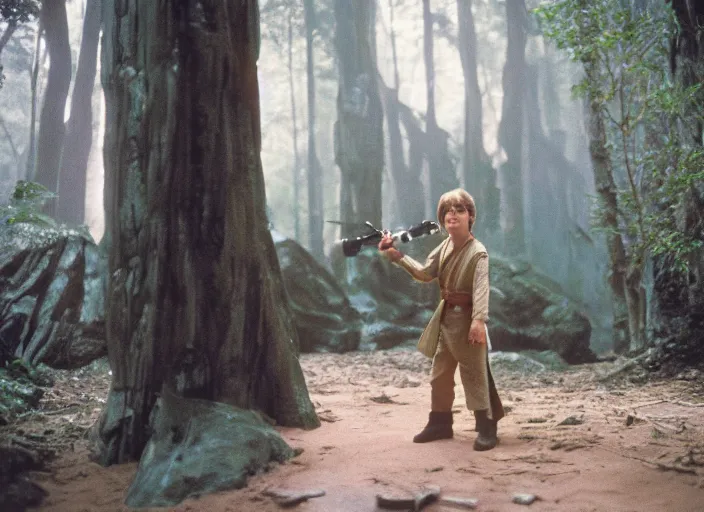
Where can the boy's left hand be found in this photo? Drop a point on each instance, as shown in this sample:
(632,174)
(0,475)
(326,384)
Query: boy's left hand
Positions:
(477,334)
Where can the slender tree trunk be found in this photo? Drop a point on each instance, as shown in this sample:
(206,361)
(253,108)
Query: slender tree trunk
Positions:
(295,185)
(359,139)
(195,299)
(8,137)
(406,185)
(71,205)
(511,127)
(33,79)
(479,175)
(407,188)
(442,173)
(51,122)
(315,178)
(7,34)
(606,190)
(416,150)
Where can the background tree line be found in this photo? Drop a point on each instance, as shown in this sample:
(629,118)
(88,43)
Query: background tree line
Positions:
(430,95)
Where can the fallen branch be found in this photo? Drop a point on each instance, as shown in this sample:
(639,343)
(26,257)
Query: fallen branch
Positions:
(659,465)
(285,498)
(688,404)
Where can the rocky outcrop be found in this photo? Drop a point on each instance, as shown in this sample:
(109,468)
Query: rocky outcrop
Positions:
(51,301)
(235,443)
(323,315)
(51,296)
(529,312)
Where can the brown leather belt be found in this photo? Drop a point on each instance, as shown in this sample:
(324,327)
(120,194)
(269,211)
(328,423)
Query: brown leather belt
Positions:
(462,300)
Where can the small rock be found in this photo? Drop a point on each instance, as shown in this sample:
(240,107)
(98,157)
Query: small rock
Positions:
(570,421)
(524,499)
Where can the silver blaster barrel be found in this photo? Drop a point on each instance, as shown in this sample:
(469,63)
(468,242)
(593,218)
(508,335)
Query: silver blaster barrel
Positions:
(352,246)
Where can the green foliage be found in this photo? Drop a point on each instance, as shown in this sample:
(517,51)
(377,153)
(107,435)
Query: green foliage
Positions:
(25,205)
(20,11)
(625,53)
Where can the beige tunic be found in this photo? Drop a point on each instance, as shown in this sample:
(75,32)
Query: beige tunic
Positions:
(449,326)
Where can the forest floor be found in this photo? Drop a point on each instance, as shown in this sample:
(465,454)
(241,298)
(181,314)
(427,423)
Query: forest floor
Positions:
(575,440)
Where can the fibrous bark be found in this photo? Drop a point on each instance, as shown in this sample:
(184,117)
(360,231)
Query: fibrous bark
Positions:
(70,207)
(195,301)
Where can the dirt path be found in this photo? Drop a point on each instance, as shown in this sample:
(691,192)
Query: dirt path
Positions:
(372,404)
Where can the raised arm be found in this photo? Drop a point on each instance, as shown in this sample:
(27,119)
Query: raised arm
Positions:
(424,272)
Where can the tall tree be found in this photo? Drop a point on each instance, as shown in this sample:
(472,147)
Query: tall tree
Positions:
(295,174)
(406,179)
(441,170)
(33,86)
(359,140)
(479,175)
(51,121)
(511,126)
(71,202)
(680,296)
(315,177)
(195,299)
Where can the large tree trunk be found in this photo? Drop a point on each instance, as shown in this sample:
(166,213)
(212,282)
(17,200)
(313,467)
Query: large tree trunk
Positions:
(359,139)
(195,300)
(511,128)
(679,298)
(51,122)
(442,174)
(479,175)
(79,130)
(315,178)
(295,174)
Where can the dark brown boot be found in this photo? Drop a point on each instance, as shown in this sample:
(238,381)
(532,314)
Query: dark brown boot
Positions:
(486,440)
(439,427)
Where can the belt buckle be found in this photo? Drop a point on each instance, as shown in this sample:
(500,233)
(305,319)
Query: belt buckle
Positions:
(457,308)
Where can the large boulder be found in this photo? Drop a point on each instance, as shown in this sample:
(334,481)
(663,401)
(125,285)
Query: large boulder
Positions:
(51,296)
(323,315)
(529,312)
(199,447)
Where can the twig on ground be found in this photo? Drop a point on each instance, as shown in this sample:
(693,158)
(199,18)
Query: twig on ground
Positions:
(285,498)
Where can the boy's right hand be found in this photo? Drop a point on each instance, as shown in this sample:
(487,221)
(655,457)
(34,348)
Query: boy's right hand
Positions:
(386,246)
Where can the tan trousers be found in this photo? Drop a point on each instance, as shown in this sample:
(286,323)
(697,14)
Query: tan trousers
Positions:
(475,374)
